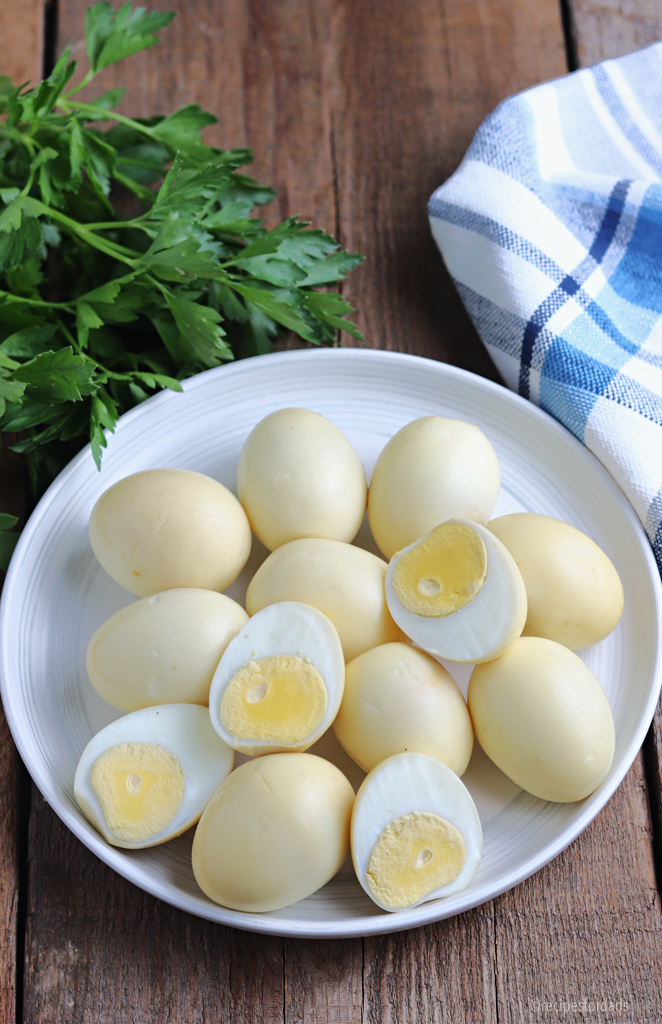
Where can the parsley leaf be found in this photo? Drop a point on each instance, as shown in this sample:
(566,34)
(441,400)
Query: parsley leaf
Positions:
(111,35)
(59,376)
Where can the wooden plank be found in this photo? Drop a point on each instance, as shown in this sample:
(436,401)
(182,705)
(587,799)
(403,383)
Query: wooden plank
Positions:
(9,872)
(588,927)
(14,785)
(441,974)
(323,982)
(22,35)
(432,72)
(611,28)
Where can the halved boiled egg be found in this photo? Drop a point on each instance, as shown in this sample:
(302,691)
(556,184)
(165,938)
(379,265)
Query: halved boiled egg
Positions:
(415,832)
(279,683)
(147,777)
(457,593)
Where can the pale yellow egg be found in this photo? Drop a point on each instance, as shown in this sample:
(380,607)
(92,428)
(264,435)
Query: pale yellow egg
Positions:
(274,832)
(544,719)
(399,699)
(574,593)
(432,470)
(167,528)
(163,649)
(343,581)
(299,476)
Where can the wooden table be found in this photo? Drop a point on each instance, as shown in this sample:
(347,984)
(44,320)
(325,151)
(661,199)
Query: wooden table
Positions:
(356,110)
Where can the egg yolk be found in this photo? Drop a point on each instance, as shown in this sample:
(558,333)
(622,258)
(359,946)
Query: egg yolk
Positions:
(414,856)
(281,698)
(140,787)
(443,572)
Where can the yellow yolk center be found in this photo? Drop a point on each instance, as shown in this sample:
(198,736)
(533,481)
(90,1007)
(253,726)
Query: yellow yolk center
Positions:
(414,856)
(281,698)
(140,787)
(443,572)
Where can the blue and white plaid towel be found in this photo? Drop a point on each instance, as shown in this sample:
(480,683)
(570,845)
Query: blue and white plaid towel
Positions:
(552,231)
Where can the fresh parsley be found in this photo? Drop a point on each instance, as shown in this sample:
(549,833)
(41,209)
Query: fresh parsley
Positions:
(99,310)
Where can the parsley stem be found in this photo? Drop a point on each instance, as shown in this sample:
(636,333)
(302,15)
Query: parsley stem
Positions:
(118,252)
(70,338)
(148,165)
(9,297)
(19,137)
(108,225)
(28,185)
(81,85)
(106,115)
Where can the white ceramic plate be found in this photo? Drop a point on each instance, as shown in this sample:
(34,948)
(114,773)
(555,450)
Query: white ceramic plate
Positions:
(56,595)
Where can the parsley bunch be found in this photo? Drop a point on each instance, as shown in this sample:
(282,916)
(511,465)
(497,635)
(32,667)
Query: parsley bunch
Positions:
(98,311)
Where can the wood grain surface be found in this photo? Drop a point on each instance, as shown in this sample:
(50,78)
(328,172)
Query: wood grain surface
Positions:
(356,111)
(610,28)
(22,40)
(9,867)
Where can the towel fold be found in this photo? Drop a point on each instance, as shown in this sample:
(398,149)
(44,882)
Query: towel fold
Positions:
(552,231)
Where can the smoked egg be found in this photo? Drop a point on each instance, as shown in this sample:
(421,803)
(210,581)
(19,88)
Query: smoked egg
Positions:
(273,833)
(544,719)
(343,581)
(163,649)
(147,777)
(167,528)
(279,684)
(574,593)
(399,699)
(432,470)
(457,593)
(299,476)
(415,834)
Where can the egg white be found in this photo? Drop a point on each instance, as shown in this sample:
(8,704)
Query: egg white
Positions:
(401,785)
(484,627)
(288,628)
(186,732)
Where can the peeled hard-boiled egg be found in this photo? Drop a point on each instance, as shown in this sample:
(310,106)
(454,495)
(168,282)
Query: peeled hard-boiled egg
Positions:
(343,581)
(432,470)
(147,777)
(544,719)
(163,649)
(575,596)
(416,834)
(399,699)
(457,593)
(299,476)
(273,833)
(167,528)
(279,684)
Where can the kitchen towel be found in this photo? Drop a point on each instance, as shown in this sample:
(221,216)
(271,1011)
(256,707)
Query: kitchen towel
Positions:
(551,229)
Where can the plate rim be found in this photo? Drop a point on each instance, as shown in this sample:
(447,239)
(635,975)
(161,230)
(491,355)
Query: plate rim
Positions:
(379,924)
